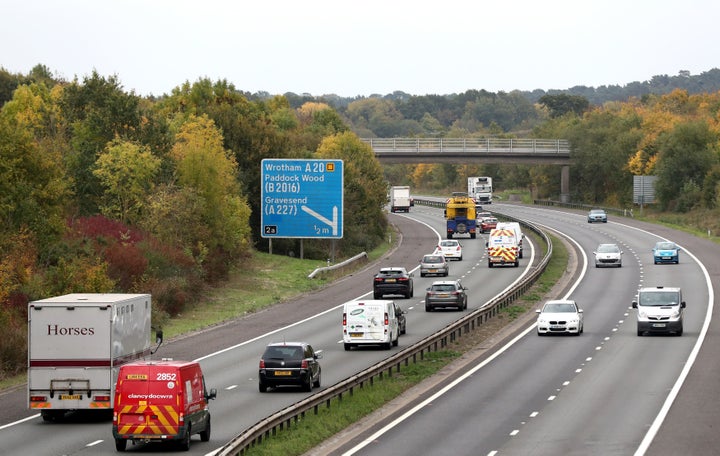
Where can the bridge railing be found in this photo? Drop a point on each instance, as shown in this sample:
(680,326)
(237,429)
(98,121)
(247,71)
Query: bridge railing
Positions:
(474,145)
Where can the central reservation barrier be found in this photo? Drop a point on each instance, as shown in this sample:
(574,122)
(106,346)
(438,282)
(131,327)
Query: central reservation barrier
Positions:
(284,418)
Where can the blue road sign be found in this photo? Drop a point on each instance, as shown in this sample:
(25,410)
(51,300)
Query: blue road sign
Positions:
(301,198)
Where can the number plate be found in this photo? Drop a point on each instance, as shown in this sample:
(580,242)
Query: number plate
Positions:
(390,281)
(659,325)
(282,373)
(356,334)
(557,327)
(432,270)
(70,397)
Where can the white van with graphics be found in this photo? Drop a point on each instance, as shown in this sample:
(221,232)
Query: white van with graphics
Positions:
(370,322)
(519,236)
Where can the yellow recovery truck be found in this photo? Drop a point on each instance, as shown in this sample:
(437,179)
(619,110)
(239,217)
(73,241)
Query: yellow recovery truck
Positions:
(460,215)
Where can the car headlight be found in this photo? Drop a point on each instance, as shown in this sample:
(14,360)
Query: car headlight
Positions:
(642,314)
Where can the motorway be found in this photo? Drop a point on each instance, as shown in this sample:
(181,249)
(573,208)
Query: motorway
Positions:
(229,354)
(605,392)
(599,393)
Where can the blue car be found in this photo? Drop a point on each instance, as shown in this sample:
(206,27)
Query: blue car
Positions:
(666,252)
(597,215)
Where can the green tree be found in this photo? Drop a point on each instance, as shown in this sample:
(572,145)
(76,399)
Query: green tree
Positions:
(686,154)
(562,103)
(204,165)
(97,111)
(364,191)
(33,189)
(126,171)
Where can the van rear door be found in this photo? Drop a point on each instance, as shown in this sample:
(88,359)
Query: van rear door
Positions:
(146,402)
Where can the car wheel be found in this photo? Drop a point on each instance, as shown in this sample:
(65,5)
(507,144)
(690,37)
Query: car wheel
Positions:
(428,308)
(396,341)
(377,296)
(404,329)
(347,347)
(447,272)
(387,345)
(317,382)
(639,332)
(422,274)
(120,444)
(185,442)
(490,264)
(307,386)
(619,265)
(679,332)
(205,435)
(262,387)
(597,265)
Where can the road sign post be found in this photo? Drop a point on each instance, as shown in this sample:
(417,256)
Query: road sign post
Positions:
(302,198)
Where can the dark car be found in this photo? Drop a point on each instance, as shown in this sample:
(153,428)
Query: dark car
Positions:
(446,293)
(666,252)
(289,363)
(434,264)
(392,281)
(401,318)
(597,215)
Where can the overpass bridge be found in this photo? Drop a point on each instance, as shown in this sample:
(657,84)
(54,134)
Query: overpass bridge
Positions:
(464,151)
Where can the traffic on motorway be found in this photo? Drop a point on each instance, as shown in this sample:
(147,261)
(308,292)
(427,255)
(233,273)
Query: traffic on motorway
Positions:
(606,300)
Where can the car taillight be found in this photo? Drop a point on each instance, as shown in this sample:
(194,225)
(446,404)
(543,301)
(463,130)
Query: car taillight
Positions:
(379,279)
(387,319)
(38,398)
(262,364)
(344,319)
(304,364)
(403,279)
(102,398)
(458,248)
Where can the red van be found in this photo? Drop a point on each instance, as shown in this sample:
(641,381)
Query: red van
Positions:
(161,401)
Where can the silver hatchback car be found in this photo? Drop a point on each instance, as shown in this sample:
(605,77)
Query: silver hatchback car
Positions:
(434,264)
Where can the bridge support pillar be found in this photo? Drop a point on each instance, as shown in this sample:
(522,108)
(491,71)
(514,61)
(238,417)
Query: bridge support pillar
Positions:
(565,184)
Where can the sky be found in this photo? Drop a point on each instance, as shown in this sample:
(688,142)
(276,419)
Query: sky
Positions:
(353,48)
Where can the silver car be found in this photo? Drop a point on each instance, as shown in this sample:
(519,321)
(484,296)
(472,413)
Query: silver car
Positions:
(608,255)
(434,264)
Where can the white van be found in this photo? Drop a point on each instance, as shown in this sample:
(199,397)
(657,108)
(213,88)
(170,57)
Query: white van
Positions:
(519,236)
(370,322)
(659,309)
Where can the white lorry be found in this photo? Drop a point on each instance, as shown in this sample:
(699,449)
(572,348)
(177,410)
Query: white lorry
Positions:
(76,345)
(480,189)
(400,198)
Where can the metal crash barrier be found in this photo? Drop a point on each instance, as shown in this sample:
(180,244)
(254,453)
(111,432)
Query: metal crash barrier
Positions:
(284,418)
